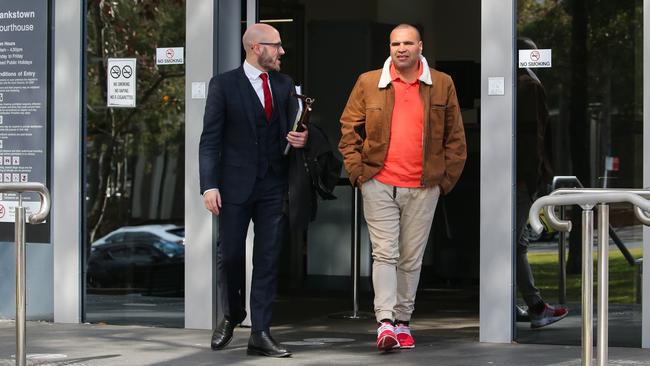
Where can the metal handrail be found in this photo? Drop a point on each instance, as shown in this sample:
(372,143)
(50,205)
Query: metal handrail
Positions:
(571,181)
(642,216)
(577,187)
(38,217)
(39,188)
(587,199)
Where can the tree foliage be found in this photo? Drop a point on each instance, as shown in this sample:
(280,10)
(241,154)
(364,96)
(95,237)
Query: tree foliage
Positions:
(594,89)
(614,31)
(129,29)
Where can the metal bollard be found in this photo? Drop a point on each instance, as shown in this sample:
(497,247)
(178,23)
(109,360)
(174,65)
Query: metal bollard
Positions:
(603,283)
(562,261)
(21,303)
(19,227)
(587,286)
(639,279)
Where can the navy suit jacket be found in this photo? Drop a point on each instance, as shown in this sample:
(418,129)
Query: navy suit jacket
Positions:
(228,151)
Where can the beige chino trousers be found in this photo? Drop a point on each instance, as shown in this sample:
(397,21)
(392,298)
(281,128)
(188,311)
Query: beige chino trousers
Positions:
(399,221)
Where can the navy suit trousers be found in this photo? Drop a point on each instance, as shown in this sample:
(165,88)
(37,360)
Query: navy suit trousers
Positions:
(264,207)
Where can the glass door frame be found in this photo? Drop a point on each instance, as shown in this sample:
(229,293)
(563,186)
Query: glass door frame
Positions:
(497,171)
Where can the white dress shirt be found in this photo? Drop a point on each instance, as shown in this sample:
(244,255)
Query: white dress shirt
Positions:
(253,75)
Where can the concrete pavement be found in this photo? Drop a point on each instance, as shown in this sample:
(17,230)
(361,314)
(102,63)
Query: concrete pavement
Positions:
(447,340)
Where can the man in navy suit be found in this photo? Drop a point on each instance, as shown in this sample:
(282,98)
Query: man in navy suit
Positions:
(246,127)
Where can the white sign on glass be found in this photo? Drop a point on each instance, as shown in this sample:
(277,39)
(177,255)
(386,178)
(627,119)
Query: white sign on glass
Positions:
(169,56)
(535,58)
(121,82)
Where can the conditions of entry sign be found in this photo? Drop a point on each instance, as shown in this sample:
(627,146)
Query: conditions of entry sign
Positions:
(24,110)
(121,82)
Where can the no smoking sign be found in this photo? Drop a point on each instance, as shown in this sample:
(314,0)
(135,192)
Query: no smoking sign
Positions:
(121,83)
(535,58)
(170,56)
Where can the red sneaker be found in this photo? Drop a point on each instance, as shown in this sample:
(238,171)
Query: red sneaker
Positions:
(386,339)
(549,315)
(404,337)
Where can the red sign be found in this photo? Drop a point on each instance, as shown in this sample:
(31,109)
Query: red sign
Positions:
(616,164)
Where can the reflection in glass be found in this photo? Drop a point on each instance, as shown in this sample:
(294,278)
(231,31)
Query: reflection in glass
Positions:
(594,96)
(134,167)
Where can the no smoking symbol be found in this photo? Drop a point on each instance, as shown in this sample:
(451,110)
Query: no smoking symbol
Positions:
(534,55)
(127,71)
(2,211)
(115,72)
(170,53)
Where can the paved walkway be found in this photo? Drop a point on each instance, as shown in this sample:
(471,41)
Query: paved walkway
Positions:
(449,340)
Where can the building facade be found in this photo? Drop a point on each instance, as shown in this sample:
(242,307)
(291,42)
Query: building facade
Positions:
(596,99)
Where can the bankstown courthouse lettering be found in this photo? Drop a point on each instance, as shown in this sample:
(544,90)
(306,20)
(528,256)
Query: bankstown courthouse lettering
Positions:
(13,27)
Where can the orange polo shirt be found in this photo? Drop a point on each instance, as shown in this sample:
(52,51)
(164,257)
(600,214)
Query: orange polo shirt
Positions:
(403,163)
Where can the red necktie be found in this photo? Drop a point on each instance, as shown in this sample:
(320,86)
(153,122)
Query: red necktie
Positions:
(268,101)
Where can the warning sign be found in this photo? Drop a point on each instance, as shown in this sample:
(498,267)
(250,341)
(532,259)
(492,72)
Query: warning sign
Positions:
(535,58)
(2,211)
(169,56)
(121,82)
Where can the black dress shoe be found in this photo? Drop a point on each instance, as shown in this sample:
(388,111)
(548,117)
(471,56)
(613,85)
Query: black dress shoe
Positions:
(261,343)
(222,335)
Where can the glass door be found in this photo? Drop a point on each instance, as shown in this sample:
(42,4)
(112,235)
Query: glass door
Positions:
(134,162)
(579,113)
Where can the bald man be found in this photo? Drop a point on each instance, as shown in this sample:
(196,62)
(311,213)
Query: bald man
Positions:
(243,173)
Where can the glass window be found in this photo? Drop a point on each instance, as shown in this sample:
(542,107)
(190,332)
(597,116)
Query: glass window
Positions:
(169,249)
(579,113)
(134,161)
(115,238)
(121,252)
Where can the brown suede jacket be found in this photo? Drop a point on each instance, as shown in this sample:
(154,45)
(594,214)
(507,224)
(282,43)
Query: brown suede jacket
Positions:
(366,120)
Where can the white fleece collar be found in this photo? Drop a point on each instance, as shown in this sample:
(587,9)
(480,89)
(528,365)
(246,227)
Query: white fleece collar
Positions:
(385,79)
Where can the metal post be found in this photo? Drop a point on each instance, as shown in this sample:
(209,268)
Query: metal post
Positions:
(603,283)
(355,260)
(562,261)
(356,245)
(587,285)
(21,304)
(19,227)
(639,279)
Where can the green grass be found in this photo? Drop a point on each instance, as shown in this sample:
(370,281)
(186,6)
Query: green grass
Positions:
(622,282)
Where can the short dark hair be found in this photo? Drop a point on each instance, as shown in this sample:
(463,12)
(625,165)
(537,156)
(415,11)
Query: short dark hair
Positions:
(408,26)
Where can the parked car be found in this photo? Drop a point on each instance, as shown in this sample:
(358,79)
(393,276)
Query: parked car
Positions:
(151,267)
(167,232)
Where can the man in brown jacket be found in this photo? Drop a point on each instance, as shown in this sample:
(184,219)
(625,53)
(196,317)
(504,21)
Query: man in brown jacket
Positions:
(404,144)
